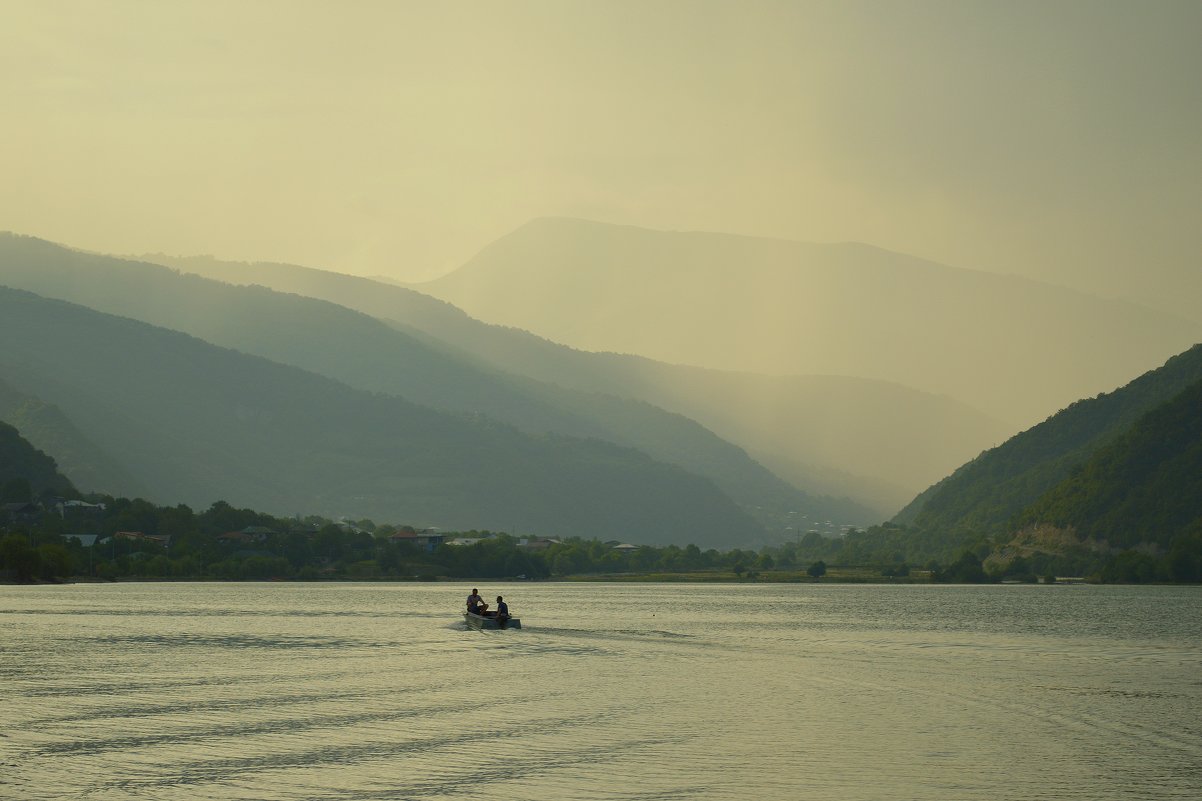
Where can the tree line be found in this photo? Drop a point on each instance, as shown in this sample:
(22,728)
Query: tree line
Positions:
(179,543)
(138,539)
(901,551)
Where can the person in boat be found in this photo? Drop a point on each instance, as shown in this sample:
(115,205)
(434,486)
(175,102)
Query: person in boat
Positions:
(502,613)
(475,604)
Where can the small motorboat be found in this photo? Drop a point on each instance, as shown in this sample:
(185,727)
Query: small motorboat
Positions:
(488,622)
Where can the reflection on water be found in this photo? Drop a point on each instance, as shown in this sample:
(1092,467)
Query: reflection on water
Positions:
(361,691)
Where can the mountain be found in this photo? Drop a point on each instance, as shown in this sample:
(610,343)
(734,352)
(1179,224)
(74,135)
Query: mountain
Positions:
(194,423)
(363,352)
(20,461)
(1015,348)
(45,426)
(1144,486)
(1109,488)
(878,442)
(999,490)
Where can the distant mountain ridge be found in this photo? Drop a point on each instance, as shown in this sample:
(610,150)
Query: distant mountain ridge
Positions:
(876,441)
(780,307)
(365,353)
(195,423)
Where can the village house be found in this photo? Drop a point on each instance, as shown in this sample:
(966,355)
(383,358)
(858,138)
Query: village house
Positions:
(77,508)
(248,535)
(425,539)
(537,543)
(138,536)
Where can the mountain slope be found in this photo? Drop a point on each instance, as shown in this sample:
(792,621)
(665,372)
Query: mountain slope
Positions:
(196,423)
(19,460)
(876,441)
(364,353)
(986,497)
(1145,486)
(768,306)
(46,427)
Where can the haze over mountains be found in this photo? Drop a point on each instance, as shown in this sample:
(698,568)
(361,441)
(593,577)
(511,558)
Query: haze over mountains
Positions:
(721,276)
(363,352)
(876,442)
(1012,347)
(849,449)
(197,423)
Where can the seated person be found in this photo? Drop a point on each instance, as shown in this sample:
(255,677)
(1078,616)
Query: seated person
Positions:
(476,604)
(502,613)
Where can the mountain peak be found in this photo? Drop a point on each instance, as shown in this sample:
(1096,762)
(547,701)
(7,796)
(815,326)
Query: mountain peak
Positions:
(775,306)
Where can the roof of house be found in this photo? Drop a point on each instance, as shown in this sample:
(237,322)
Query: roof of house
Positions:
(77,504)
(162,539)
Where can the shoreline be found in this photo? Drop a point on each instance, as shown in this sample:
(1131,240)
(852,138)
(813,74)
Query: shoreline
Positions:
(836,577)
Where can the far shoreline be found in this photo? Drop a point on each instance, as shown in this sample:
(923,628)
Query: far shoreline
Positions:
(836,576)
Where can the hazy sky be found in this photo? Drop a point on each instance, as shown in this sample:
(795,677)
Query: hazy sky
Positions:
(1058,140)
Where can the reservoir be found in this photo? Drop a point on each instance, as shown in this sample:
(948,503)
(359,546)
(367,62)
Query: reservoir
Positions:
(347,691)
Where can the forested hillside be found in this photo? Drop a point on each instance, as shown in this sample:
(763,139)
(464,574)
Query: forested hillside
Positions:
(984,498)
(1145,486)
(45,426)
(1110,488)
(26,472)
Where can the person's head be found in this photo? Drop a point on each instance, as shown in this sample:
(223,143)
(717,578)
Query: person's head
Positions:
(475,591)
(498,599)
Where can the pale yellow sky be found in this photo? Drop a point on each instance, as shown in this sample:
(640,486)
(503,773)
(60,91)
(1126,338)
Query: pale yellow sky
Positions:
(1057,140)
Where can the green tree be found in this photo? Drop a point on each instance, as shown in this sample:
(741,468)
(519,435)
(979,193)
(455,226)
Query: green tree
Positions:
(817,570)
(1184,560)
(158,565)
(965,570)
(1130,567)
(54,561)
(17,555)
(329,542)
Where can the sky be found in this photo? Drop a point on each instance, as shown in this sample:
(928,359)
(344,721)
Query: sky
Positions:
(1056,140)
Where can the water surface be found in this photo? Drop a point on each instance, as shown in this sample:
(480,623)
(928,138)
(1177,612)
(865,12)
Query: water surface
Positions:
(618,691)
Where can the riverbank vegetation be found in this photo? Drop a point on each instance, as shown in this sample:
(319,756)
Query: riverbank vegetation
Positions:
(106,538)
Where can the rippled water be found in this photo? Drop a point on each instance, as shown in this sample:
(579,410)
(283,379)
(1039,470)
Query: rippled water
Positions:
(377,691)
